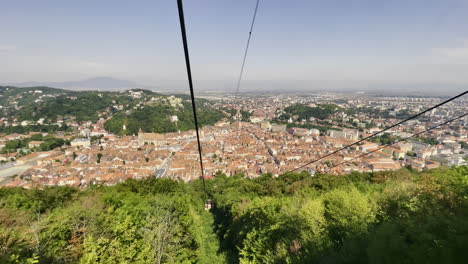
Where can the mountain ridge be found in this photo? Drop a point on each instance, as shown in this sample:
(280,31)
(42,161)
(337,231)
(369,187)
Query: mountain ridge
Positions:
(103,83)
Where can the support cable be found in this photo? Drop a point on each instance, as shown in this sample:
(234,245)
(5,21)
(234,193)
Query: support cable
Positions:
(247,48)
(192,96)
(377,133)
(400,140)
(245,57)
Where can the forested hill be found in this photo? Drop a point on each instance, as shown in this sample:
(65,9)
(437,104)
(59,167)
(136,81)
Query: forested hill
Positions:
(33,103)
(386,217)
(162,118)
(137,107)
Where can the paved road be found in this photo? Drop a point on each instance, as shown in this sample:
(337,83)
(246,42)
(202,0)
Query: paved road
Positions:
(7,165)
(277,162)
(14,169)
(5,174)
(166,164)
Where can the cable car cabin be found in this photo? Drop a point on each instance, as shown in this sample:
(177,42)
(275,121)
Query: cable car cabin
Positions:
(209,204)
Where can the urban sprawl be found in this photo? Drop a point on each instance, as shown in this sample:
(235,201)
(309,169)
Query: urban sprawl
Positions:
(265,140)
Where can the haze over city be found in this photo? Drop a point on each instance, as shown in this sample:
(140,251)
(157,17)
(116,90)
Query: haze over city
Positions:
(422,45)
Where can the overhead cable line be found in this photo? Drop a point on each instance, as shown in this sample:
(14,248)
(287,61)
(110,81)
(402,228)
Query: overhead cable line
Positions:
(377,133)
(241,73)
(246,48)
(192,96)
(400,140)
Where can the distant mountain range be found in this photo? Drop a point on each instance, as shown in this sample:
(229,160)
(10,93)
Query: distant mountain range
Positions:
(97,83)
(381,88)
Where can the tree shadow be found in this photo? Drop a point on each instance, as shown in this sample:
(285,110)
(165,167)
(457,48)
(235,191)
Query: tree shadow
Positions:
(223,221)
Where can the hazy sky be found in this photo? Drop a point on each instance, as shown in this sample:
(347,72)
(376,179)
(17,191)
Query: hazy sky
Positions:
(369,40)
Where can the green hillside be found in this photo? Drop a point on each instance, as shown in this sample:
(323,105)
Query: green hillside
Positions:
(51,104)
(137,108)
(157,119)
(386,217)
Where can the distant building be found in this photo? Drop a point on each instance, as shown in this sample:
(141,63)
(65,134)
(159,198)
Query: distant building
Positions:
(405,147)
(382,164)
(420,164)
(368,146)
(81,142)
(402,134)
(345,133)
(174,118)
(266,125)
(33,144)
(278,128)
(454,146)
(85,132)
(423,153)
(397,153)
(151,138)
(300,131)
(256,119)
(221,123)
(450,160)
(419,145)
(314,132)
(98,132)
(25,123)
(41,121)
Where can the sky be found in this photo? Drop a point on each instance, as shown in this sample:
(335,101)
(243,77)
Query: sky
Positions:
(346,42)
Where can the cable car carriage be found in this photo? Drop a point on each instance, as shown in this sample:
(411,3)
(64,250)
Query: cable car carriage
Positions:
(209,204)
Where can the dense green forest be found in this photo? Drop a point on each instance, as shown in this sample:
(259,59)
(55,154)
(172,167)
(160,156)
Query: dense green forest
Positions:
(34,103)
(376,112)
(135,108)
(322,128)
(157,119)
(46,128)
(385,139)
(386,217)
(48,143)
(428,140)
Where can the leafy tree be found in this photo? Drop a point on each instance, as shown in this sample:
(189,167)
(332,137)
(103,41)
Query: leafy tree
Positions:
(384,217)
(464,145)
(323,111)
(99,156)
(156,119)
(428,140)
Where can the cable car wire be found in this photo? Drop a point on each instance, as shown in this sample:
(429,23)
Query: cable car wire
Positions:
(189,74)
(377,133)
(192,96)
(246,49)
(241,73)
(400,140)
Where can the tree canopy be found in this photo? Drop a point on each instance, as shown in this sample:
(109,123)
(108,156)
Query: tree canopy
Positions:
(323,111)
(156,119)
(386,217)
